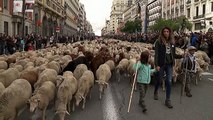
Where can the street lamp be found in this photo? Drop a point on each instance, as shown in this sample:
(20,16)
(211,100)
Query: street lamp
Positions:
(146,20)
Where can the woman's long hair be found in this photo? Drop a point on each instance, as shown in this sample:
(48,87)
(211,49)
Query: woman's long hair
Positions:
(162,38)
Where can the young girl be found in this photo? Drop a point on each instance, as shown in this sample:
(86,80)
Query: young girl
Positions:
(144,72)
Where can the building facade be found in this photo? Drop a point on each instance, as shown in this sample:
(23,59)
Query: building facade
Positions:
(154,12)
(71,9)
(11,23)
(172,9)
(48,14)
(82,20)
(117,9)
(200,13)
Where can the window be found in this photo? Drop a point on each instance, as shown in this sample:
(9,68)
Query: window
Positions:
(188,12)
(197,26)
(212,6)
(5,4)
(204,9)
(6,27)
(197,10)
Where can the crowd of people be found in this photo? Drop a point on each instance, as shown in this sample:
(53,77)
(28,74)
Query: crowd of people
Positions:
(11,44)
(202,41)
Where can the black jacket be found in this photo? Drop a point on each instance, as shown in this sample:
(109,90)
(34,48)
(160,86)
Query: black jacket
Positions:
(160,53)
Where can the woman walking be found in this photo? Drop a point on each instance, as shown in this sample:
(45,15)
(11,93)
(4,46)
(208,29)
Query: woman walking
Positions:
(164,60)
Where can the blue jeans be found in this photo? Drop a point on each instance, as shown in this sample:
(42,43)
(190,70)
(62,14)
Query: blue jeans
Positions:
(168,70)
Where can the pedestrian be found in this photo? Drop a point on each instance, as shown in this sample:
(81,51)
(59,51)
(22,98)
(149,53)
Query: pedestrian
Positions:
(189,67)
(143,76)
(164,61)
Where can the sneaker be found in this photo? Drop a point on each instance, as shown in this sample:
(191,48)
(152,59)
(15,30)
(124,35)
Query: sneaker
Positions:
(144,110)
(168,104)
(188,94)
(155,96)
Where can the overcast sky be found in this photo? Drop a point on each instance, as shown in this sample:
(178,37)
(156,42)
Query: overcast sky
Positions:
(97,12)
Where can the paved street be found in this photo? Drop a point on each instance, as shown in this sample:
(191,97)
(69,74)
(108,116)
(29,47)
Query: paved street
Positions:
(114,104)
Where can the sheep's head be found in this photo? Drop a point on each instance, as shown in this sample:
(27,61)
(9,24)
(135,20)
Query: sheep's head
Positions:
(78,98)
(102,85)
(62,114)
(33,104)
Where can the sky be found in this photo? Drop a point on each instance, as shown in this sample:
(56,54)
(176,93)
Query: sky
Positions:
(97,11)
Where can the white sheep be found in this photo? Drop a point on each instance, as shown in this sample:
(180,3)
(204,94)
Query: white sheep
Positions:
(111,64)
(46,75)
(103,74)
(79,70)
(86,83)
(54,65)
(8,76)
(122,67)
(65,92)
(42,96)
(1,88)
(3,65)
(14,98)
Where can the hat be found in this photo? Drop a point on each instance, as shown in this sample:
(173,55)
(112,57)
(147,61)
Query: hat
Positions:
(192,48)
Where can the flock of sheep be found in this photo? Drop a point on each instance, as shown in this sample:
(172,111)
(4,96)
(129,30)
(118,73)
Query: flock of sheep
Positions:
(38,78)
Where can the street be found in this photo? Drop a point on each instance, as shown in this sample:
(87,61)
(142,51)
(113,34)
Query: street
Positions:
(114,104)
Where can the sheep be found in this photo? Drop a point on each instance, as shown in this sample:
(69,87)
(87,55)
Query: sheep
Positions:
(31,74)
(29,64)
(2,88)
(8,76)
(54,65)
(103,74)
(122,67)
(111,64)
(79,70)
(11,59)
(14,98)
(65,91)
(3,65)
(18,67)
(46,75)
(87,82)
(42,97)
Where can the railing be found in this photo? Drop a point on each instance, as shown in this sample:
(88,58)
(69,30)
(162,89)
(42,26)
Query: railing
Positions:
(199,16)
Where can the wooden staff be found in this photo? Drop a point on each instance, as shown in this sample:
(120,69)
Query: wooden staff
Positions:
(133,86)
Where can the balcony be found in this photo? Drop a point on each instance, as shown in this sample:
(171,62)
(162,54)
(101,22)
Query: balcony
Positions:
(199,16)
(188,2)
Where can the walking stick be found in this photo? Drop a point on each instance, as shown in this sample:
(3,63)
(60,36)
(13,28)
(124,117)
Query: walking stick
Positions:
(184,80)
(133,86)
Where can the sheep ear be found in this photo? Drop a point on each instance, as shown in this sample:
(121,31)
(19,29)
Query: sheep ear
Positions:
(82,97)
(67,113)
(56,112)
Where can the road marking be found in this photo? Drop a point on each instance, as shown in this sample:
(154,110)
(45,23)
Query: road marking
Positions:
(109,108)
(210,79)
(206,73)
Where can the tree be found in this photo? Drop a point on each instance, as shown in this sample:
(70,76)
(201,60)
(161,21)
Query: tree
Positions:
(132,26)
(180,23)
